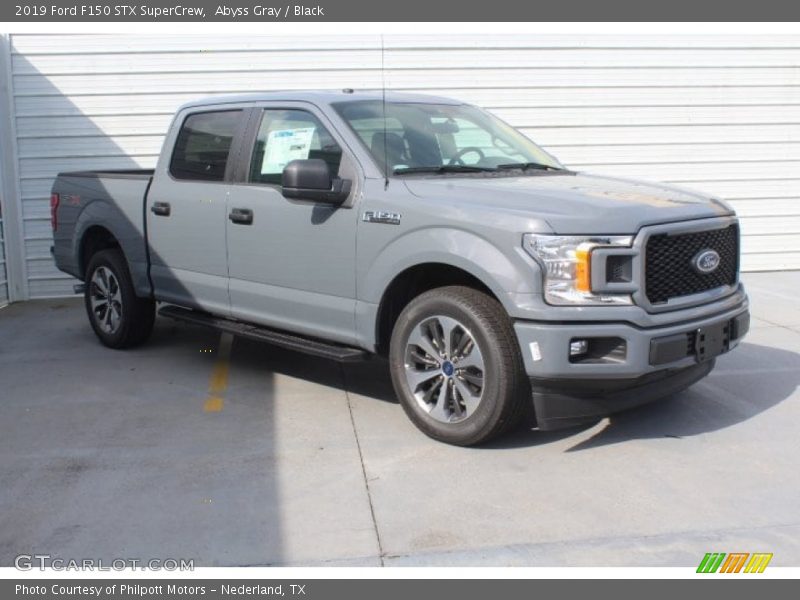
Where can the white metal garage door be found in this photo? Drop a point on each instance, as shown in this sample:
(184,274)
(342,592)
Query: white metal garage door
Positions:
(719,113)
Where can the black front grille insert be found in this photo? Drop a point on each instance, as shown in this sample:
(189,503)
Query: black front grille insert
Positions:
(670,272)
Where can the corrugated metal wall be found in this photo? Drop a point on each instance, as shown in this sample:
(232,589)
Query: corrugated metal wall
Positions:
(718,113)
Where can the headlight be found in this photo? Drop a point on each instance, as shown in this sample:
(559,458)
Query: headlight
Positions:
(567,266)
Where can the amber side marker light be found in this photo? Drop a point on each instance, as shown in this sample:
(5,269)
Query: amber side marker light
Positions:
(583,274)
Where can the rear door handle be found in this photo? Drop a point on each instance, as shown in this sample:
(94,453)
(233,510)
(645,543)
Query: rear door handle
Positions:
(161,209)
(241,216)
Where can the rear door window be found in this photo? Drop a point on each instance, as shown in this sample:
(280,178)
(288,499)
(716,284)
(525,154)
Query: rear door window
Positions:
(203,147)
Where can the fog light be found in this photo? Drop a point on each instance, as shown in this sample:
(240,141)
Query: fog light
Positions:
(577,347)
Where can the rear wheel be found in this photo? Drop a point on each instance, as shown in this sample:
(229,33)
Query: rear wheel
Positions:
(120,319)
(456,366)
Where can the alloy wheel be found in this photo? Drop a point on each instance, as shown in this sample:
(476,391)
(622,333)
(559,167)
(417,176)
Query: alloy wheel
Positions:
(444,369)
(106,299)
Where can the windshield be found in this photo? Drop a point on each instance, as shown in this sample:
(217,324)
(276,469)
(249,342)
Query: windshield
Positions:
(441,138)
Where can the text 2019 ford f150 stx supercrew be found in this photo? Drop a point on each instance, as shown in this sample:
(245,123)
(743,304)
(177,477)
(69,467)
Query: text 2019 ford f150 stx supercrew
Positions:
(419,228)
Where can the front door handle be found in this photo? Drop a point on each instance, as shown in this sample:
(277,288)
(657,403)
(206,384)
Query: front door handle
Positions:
(241,216)
(161,209)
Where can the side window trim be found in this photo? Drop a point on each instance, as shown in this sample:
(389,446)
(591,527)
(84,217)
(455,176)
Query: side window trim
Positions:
(244,147)
(245,113)
(242,172)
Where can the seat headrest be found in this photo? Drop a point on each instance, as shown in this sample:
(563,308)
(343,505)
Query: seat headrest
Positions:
(395,146)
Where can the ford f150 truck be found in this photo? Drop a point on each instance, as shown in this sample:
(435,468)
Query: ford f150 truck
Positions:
(418,228)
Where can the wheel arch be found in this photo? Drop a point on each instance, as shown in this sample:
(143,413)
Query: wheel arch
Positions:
(94,239)
(101,226)
(459,256)
(412,282)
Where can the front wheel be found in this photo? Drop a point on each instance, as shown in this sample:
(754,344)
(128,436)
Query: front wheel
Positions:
(456,366)
(120,319)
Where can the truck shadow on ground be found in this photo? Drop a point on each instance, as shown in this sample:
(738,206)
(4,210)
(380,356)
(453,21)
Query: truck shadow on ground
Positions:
(745,383)
(368,378)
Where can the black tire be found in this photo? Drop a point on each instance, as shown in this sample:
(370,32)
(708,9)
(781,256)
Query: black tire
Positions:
(505,387)
(136,315)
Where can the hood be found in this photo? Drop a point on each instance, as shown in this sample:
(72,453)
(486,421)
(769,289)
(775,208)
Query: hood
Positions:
(573,203)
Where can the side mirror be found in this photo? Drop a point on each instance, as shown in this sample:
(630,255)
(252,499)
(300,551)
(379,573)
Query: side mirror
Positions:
(311,179)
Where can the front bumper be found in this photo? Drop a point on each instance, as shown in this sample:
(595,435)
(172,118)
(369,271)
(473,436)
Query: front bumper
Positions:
(626,365)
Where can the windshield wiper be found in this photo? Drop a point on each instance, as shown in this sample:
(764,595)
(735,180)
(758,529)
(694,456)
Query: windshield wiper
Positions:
(529,165)
(443,169)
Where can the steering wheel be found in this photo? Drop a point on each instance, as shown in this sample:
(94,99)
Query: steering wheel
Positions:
(457,160)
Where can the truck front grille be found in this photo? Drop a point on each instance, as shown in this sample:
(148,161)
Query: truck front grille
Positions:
(669,269)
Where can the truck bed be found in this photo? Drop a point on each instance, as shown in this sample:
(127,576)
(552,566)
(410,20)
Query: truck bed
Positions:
(112,204)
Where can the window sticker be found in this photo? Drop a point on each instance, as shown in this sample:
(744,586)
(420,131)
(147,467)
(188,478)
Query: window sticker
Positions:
(284,146)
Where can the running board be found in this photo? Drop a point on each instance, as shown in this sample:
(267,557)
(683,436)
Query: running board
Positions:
(283,339)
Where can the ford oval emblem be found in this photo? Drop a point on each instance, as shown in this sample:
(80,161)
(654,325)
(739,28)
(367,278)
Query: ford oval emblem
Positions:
(706,261)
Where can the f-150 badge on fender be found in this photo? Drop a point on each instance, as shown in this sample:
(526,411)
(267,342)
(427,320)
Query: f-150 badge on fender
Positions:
(380,216)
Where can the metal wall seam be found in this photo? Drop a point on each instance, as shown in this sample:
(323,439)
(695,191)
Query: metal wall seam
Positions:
(13,234)
(3,281)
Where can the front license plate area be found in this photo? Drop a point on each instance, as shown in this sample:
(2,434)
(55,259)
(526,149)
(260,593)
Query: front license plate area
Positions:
(711,341)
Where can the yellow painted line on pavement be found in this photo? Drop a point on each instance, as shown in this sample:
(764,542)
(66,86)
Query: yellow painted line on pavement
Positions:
(219,376)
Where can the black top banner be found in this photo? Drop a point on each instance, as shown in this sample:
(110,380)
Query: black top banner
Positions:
(408,11)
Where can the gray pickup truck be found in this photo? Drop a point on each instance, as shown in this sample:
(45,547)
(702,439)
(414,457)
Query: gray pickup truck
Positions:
(422,229)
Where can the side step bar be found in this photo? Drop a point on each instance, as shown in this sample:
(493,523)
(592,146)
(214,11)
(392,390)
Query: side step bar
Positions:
(263,334)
